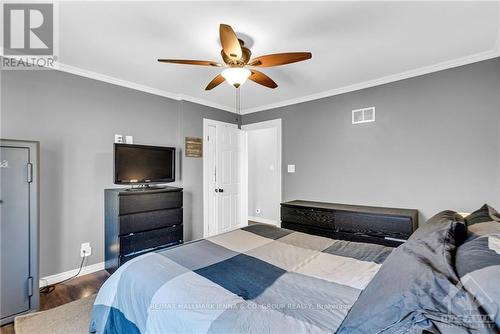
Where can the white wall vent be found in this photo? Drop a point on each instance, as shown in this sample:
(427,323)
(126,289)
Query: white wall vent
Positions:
(364,115)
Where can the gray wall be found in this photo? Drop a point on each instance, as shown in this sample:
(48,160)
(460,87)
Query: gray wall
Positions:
(263,177)
(75,120)
(435,144)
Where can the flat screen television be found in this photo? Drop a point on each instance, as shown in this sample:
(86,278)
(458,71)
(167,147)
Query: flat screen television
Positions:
(141,164)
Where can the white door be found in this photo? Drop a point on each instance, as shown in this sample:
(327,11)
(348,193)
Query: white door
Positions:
(210,183)
(225,175)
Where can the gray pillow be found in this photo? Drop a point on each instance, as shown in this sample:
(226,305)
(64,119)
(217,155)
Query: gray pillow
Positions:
(447,222)
(484,214)
(477,261)
(417,289)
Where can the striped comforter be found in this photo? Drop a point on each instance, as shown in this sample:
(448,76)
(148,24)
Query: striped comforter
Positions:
(253,280)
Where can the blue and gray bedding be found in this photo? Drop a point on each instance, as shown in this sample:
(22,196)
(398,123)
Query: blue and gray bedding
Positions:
(259,279)
(434,283)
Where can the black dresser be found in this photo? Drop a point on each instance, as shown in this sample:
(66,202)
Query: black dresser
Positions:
(384,226)
(139,221)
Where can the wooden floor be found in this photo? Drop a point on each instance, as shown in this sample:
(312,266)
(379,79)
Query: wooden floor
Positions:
(75,289)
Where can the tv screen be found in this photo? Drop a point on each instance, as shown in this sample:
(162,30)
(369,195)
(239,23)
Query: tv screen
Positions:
(136,164)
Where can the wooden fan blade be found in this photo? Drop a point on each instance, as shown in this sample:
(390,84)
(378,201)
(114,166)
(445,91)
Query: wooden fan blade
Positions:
(215,82)
(262,79)
(230,44)
(190,62)
(280,59)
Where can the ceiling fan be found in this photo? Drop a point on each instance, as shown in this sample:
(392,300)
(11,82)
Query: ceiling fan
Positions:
(238,65)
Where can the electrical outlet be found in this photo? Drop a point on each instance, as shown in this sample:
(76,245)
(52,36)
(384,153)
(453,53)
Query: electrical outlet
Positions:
(118,139)
(85,249)
(257,211)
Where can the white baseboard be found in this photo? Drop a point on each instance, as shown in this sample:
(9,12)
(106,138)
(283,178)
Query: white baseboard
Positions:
(53,279)
(263,220)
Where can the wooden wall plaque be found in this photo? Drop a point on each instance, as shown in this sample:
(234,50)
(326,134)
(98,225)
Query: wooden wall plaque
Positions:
(194,147)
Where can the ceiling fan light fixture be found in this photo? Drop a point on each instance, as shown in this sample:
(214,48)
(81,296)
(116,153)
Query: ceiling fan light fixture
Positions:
(236,76)
(236,57)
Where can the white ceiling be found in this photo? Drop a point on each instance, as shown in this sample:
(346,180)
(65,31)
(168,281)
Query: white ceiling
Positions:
(353,44)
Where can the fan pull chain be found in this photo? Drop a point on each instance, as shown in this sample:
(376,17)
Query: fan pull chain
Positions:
(238,108)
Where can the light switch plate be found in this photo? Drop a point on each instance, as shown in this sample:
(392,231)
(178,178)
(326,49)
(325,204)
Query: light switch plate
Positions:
(291,168)
(129,139)
(118,139)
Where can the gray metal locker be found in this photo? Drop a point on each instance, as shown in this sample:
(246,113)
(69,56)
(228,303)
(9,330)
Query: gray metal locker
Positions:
(18,228)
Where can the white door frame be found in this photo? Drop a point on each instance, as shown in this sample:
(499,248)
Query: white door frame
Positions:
(206,179)
(274,123)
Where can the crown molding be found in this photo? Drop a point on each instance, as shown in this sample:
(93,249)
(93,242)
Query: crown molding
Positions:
(129,84)
(143,88)
(381,81)
(115,81)
(495,52)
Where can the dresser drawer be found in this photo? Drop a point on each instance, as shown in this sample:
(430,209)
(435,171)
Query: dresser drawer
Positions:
(151,239)
(143,221)
(376,225)
(149,202)
(308,216)
(125,258)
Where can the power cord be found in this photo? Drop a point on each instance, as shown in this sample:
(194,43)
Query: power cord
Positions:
(51,287)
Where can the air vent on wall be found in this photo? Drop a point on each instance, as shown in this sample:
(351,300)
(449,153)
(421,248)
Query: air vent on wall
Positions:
(364,115)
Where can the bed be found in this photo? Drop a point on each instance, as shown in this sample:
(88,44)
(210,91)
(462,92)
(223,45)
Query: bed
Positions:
(256,279)
(263,279)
